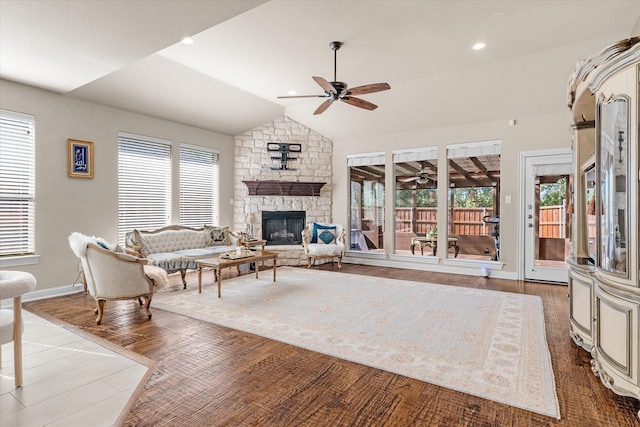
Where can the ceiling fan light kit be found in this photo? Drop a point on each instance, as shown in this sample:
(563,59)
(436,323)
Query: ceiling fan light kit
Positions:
(336,90)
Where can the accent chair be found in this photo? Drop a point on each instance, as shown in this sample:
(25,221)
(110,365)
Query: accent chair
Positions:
(323,241)
(112,275)
(14,284)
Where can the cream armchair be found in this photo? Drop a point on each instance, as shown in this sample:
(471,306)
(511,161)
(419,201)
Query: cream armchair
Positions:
(111,275)
(116,276)
(323,241)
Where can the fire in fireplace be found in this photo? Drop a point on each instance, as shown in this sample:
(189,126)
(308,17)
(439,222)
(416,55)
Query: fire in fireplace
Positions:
(283,227)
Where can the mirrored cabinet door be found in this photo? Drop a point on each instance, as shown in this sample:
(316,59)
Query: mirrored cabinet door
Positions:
(613,171)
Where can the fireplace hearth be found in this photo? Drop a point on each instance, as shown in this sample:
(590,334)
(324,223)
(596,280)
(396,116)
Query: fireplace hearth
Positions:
(283,227)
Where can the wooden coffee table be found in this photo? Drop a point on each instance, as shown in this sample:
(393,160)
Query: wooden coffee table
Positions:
(217,264)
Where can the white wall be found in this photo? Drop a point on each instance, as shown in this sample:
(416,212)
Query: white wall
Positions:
(90,206)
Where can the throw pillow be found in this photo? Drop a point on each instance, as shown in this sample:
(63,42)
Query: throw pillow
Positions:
(217,236)
(103,245)
(318,228)
(327,236)
(140,245)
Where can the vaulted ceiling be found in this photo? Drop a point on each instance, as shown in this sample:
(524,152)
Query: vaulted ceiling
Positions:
(128,55)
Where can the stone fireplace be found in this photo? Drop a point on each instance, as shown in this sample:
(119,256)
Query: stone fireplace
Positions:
(283,227)
(254,163)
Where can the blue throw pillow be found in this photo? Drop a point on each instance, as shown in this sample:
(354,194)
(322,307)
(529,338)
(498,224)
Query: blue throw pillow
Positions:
(316,227)
(327,236)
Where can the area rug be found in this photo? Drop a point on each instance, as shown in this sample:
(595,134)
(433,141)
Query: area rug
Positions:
(486,343)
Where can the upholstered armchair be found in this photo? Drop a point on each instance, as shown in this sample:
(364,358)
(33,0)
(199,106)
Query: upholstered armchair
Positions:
(116,276)
(323,241)
(14,284)
(112,275)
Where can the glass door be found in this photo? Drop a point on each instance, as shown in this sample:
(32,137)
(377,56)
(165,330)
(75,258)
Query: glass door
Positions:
(547,228)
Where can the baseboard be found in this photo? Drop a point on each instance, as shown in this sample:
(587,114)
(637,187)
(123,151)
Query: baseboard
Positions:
(51,293)
(471,268)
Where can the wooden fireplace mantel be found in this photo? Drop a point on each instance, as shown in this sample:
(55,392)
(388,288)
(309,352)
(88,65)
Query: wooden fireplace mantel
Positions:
(283,188)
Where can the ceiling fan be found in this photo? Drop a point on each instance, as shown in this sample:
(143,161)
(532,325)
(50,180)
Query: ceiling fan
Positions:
(336,90)
(421,178)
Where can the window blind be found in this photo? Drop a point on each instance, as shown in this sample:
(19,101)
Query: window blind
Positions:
(366,159)
(144,183)
(415,154)
(473,149)
(199,191)
(17,183)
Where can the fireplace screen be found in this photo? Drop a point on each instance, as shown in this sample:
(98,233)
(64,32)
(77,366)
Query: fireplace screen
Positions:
(283,227)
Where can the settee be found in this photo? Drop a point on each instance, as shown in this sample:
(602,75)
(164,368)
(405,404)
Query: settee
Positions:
(176,247)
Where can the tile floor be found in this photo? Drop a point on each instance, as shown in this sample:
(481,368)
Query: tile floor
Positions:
(68,380)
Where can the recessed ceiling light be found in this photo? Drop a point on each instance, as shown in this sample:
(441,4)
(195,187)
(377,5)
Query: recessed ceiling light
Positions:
(187,40)
(292,92)
(478,46)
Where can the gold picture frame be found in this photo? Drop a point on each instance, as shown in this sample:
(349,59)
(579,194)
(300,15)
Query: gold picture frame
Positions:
(80,163)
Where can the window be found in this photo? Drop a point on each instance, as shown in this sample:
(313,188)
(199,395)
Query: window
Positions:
(474,196)
(198,186)
(367,175)
(144,183)
(17,183)
(416,202)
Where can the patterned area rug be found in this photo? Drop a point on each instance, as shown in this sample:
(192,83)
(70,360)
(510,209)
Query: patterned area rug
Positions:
(486,343)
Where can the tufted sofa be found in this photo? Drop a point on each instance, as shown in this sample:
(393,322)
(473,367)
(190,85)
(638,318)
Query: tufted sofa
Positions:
(176,247)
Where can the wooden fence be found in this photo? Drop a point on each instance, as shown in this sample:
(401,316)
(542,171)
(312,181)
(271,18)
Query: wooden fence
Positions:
(468,221)
(552,222)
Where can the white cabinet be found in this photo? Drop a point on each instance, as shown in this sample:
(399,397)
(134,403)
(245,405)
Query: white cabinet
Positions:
(604,293)
(580,306)
(615,354)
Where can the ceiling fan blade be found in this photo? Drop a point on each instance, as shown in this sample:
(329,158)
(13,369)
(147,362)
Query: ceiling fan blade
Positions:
(303,96)
(359,103)
(375,87)
(324,84)
(411,178)
(323,106)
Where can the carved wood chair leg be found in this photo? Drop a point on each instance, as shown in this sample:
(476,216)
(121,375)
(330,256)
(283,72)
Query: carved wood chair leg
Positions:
(100,304)
(309,262)
(147,306)
(339,262)
(183,273)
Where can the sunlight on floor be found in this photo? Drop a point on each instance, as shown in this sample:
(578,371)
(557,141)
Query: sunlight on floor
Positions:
(68,380)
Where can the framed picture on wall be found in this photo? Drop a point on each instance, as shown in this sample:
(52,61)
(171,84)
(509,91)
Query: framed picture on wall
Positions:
(80,158)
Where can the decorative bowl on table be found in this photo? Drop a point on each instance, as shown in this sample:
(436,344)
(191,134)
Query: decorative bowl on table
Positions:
(237,254)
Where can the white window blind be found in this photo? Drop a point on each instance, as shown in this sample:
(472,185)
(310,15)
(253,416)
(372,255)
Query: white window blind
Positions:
(17,183)
(366,159)
(415,154)
(199,201)
(473,149)
(144,183)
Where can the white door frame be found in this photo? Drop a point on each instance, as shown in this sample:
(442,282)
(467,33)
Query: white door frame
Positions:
(522,209)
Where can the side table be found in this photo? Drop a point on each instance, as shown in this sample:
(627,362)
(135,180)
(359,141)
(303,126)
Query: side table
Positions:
(250,244)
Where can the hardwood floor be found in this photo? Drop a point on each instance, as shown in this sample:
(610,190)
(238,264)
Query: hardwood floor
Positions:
(211,375)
